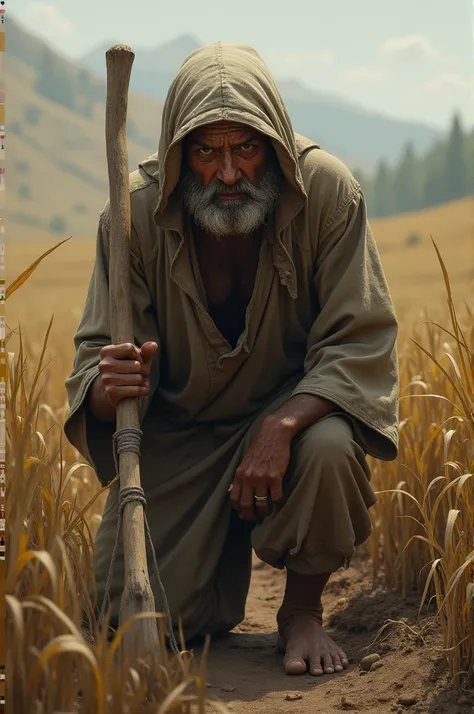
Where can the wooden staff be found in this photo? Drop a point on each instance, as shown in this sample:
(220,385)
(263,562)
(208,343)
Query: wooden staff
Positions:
(142,638)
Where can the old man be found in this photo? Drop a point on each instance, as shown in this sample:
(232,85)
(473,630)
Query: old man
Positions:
(265,358)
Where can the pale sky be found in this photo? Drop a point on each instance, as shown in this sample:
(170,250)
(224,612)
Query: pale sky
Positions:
(410,58)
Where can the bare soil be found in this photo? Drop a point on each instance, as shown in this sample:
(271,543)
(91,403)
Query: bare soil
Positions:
(245,670)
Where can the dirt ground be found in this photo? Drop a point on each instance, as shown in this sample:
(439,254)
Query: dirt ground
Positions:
(245,670)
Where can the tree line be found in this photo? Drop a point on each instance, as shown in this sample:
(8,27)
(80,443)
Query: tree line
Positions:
(443,173)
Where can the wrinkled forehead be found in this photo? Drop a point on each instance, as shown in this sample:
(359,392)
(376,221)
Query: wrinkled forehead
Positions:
(221,130)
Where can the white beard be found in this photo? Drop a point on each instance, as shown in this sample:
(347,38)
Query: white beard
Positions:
(233,217)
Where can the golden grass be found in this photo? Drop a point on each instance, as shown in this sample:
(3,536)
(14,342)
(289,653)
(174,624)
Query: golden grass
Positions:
(423,526)
(53,509)
(424,520)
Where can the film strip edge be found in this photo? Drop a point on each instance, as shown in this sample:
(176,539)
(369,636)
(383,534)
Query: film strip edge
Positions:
(3,355)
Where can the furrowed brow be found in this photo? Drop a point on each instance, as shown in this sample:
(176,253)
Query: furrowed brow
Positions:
(201,145)
(249,140)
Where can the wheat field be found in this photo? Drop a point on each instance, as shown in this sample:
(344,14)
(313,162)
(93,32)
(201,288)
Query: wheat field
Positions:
(423,522)
(413,274)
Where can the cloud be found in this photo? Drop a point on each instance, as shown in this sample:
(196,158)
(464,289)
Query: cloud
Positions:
(300,60)
(370,76)
(444,84)
(414,49)
(48,19)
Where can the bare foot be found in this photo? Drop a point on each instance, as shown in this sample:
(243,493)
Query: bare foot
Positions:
(303,640)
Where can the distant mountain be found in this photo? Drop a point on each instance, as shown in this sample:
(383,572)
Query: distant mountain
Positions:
(152,68)
(358,136)
(55,148)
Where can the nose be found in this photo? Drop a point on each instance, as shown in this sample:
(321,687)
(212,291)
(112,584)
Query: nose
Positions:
(228,172)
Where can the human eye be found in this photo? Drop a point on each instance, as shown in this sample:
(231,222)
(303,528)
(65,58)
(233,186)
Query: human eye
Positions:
(205,151)
(247,147)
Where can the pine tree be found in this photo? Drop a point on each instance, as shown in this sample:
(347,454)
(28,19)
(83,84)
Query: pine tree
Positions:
(383,197)
(456,171)
(470,161)
(406,182)
(433,172)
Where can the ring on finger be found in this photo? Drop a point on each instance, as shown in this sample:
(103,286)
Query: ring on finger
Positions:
(261,498)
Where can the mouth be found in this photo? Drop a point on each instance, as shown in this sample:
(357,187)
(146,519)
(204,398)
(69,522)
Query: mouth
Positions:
(230,196)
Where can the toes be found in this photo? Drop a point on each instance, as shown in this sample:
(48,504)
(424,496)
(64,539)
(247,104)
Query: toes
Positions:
(343,658)
(294,664)
(316,664)
(338,667)
(328,663)
(315,667)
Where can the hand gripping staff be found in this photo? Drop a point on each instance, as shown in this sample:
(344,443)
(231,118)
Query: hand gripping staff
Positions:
(137,598)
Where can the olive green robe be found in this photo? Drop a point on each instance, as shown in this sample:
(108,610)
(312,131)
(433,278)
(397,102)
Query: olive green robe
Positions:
(320,322)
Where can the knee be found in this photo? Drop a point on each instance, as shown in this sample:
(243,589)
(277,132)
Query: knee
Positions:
(328,443)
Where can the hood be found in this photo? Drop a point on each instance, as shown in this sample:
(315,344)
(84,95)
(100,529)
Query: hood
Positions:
(218,82)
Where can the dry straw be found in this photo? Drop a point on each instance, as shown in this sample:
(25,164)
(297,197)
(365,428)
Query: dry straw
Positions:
(424,521)
(423,533)
(53,506)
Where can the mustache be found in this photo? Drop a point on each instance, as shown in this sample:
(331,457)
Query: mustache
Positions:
(242,185)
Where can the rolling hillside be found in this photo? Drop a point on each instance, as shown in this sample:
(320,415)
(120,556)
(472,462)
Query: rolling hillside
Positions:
(55,157)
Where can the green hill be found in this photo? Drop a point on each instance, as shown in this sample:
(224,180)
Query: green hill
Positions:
(55,155)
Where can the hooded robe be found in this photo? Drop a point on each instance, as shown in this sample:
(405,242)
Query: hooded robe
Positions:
(320,321)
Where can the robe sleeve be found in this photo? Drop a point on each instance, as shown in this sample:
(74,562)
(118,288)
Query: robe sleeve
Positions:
(89,435)
(351,356)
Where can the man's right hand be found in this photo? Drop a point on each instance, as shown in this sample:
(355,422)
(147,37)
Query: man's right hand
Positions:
(124,371)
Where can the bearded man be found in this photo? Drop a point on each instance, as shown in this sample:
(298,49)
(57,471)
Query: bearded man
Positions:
(265,358)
